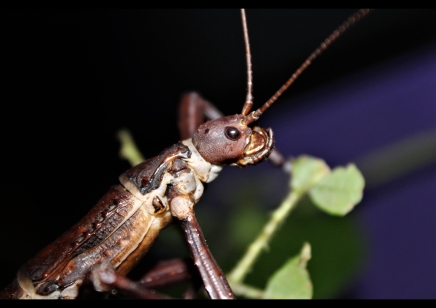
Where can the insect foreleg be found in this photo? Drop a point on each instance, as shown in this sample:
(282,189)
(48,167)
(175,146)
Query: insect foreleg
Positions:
(183,194)
(213,277)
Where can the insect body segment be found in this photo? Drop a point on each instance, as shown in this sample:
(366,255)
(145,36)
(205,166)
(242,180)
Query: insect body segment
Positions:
(125,222)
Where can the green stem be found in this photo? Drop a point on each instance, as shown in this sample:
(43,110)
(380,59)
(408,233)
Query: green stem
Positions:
(237,275)
(248,291)
(129,150)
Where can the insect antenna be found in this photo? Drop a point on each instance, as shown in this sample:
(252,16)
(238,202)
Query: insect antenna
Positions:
(249,99)
(253,116)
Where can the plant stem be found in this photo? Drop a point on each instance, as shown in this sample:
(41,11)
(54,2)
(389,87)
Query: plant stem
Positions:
(248,291)
(129,150)
(237,275)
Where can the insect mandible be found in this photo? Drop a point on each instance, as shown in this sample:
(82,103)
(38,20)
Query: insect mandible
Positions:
(170,185)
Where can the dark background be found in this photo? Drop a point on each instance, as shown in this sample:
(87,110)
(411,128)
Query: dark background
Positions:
(72,78)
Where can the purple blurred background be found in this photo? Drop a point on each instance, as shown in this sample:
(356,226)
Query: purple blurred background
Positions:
(384,120)
(72,78)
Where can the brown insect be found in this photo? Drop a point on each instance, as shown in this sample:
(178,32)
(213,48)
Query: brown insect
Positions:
(120,229)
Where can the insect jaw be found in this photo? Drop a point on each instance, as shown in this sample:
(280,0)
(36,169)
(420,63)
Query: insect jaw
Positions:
(258,148)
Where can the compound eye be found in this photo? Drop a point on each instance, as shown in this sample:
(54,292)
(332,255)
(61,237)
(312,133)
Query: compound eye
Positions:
(232,133)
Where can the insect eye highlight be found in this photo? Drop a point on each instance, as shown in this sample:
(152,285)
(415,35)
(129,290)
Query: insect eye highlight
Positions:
(232,133)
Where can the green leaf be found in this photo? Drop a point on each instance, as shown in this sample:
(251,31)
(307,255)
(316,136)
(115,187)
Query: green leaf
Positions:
(292,280)
(306,171)
(338,192)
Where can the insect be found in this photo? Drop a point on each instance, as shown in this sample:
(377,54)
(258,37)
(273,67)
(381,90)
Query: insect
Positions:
(169,185)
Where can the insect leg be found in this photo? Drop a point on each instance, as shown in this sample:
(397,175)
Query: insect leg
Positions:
(164,274)
(171,272)
(104,277)
(183,194)
(214,279)
(193,111)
